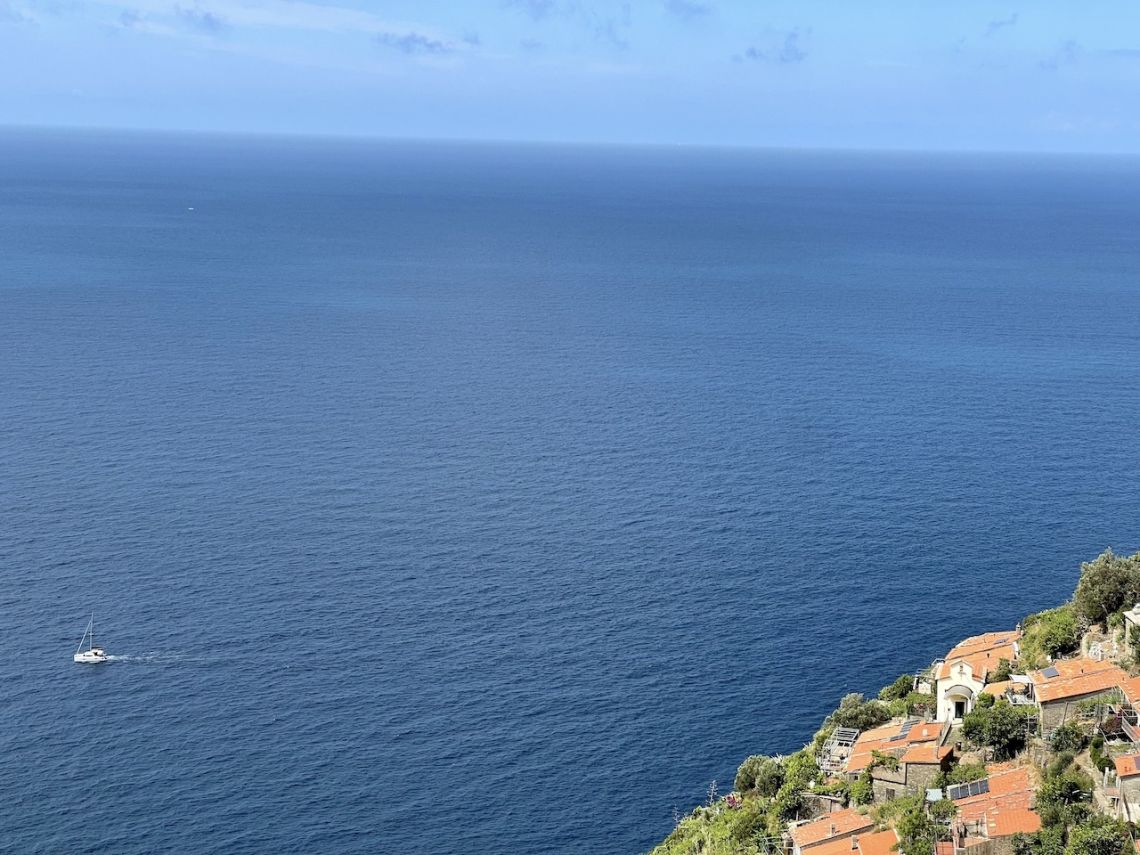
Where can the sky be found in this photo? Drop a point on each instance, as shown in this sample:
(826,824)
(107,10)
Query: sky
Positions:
(908,74)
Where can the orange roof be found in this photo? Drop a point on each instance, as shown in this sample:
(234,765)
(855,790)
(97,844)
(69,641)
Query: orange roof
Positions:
(927,753)
(880,843)
(1076,677)
(889,739)
(997,689)
(838,845)
(841,822)
(1127,765)
(981,653)
(1005,809)
(862,843)
(1131,689)
(1014,821)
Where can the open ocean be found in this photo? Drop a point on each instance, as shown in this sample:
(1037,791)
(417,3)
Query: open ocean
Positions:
(442,498)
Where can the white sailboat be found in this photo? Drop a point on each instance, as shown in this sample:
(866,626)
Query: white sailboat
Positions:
(94,654)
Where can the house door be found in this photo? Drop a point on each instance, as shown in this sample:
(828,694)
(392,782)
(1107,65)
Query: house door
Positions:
(959,709)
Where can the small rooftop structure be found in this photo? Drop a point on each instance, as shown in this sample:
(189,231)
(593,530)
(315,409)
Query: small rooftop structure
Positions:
(833,756)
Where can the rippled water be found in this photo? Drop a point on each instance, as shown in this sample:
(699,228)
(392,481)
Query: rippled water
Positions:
(441,498)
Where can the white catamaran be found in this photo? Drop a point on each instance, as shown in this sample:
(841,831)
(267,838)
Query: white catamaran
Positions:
(94,653)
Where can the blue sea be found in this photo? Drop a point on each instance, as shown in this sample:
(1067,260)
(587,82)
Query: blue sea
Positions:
(447,498)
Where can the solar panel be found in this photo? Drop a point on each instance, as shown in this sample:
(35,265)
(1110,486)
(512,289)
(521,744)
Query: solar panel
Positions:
(897,738)
(907,725)
(974,788)
(1051,671)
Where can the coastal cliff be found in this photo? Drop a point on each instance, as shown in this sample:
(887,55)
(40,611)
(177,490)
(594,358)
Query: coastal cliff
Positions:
(1021,741)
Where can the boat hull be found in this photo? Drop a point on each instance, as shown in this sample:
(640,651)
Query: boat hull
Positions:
(90,657)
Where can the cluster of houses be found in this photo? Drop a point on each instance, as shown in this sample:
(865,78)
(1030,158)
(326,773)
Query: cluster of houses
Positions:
(905,758)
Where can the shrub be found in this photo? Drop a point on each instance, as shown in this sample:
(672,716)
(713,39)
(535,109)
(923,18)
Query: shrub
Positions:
(1068,737)
(1001,672)
(759,773)
(1002,727)
(1096,753)
(862,790)
(856,712)
(1049,634)
(897,690)
(964,773)
(1099,835)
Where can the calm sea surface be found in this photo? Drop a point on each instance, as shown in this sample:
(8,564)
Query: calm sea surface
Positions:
(443,498)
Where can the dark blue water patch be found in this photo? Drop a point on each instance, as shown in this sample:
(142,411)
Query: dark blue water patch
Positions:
(442,497)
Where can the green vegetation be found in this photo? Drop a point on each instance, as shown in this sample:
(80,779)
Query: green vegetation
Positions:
(1047,635)
(900,688)
(761,774)
(963,773)
(1068,737)
(1096,753)
(857,712)
(1001,672)
(1108,584)
(1002,728)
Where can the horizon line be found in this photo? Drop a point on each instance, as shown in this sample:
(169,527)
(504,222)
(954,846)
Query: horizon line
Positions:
(366,136)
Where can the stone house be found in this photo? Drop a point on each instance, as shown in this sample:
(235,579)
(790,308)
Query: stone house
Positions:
(1127,795)
(916,750)
(1060,689)
(819,836)
(986,821)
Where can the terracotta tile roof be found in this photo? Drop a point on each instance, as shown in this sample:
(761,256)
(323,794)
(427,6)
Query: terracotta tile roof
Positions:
(1131,689)
(1076,677)
(997,689)
(1127,765)
(981,653)
(840,845)
(842,822)
(880,843)
(890,739)
(1014,821)
(1005,809)
(927,752)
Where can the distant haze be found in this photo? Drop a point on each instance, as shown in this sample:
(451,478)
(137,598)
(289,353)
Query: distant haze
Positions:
(963,75)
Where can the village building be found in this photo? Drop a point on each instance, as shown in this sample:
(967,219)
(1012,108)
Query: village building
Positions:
(961,676)
(909,756)
(1125,795)
(987,820)
(1060,689)
(819,836)
(862,843)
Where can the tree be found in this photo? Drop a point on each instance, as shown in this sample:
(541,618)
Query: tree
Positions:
(856,712)
(917,831)
(1099,835)
(1107,584)
(1068,737)
(759,773)
(1001,727)
(897,690)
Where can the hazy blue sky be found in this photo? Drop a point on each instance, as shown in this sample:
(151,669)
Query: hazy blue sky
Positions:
(911,74)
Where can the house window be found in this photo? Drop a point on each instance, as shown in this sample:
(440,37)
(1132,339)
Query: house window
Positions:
(959,709)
